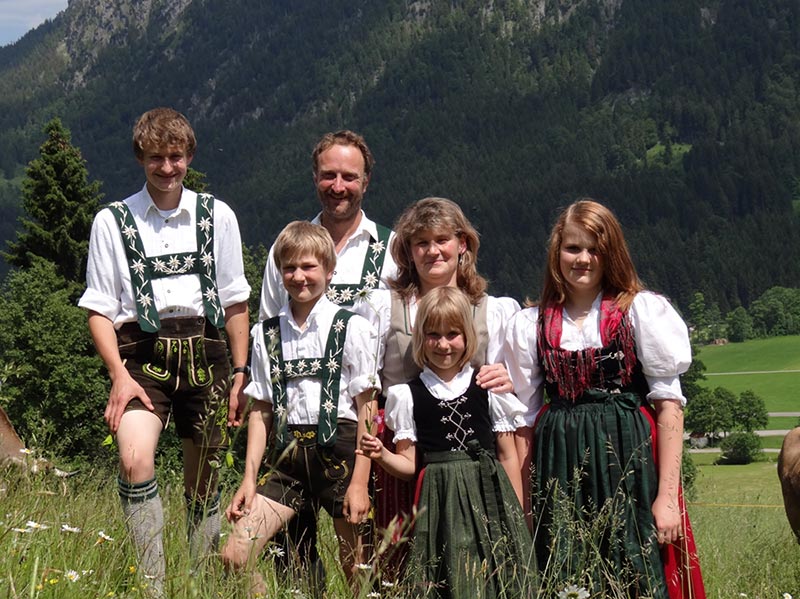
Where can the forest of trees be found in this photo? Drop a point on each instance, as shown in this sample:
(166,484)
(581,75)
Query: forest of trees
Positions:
(683,116)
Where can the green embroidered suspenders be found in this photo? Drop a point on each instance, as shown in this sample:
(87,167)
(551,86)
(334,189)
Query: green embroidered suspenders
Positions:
(345,294)
(143,268)
(328,369)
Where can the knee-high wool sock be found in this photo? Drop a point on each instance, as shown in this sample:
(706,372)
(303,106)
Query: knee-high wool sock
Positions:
(144,517)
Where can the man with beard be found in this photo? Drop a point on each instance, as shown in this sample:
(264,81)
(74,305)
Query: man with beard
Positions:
(342,165)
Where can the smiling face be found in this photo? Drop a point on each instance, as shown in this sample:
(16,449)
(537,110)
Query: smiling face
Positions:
(444,350)
(341,183)
(165,168)
(580,262)
(435,255)
(305,279)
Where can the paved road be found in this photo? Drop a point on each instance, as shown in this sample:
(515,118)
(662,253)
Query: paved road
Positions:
(784,414)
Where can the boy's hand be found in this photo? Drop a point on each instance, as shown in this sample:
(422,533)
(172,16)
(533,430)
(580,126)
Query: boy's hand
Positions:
(370,447)
(123,390)
(242,501)
(494,377)
(356,504)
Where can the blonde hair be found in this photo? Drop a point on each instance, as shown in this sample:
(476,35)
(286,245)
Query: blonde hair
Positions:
(162,127)
(301,237)
(444,307)
(436,214)
(619,274)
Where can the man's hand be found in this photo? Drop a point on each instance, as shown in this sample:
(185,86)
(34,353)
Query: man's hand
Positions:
(242,501)
(123,390)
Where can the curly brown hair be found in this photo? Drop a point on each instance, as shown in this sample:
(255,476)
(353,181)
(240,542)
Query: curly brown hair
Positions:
(435,214)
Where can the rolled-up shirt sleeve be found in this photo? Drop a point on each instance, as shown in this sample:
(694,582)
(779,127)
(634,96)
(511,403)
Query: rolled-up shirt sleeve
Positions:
(232,285)
(103,275)
(260,385)
(662,345)
(362,351)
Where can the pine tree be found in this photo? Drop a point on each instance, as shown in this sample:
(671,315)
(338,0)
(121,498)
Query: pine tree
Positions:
(59,205)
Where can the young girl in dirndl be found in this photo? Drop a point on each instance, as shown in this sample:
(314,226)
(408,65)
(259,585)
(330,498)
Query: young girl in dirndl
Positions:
(607,447)
(470,538)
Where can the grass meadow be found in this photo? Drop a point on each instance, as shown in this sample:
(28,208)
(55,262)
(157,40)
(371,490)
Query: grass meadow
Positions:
(75,545)
(770,367)
(65,538)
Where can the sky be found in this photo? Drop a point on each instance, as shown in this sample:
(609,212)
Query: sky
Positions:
(17,17)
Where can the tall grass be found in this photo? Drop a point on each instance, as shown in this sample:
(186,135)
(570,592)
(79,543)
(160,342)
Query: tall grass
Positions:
(744,542)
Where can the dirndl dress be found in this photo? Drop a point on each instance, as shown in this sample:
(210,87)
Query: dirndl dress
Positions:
(595,473)
(470,537)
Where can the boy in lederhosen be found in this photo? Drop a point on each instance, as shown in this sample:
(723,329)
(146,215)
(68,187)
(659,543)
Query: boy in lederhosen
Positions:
(164,277)
(314,384)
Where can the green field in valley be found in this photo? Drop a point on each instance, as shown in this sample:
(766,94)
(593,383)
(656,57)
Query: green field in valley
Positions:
(769,367)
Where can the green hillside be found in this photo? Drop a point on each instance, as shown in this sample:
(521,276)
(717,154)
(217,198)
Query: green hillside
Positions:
(682,115)
(770,367)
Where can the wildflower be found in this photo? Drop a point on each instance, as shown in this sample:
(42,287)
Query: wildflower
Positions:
(23,530)
(132,569)
(36,526)
(573,592)
(102,537)
(374,594)
(26,451)
(68,528)
(388,585)
(72,575)
(276,551)
(53,581)
(364,567)
(787,596)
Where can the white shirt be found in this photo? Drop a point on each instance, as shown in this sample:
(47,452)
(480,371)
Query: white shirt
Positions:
(662,346)
(108,280)
(505,409)
(349,266)
(377,308)
(303,394)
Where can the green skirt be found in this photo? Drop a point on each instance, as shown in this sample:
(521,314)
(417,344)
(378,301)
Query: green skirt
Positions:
(593,486)
(470,537)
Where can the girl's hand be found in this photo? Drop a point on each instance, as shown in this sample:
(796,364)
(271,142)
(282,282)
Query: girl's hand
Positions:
(494,377)
(667,516)
(370,446)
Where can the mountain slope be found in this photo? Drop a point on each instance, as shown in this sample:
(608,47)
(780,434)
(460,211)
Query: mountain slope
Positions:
(682,115)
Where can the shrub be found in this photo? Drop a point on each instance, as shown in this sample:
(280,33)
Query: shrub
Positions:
(740,448)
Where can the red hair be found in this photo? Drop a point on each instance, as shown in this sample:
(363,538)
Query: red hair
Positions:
(619,274)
